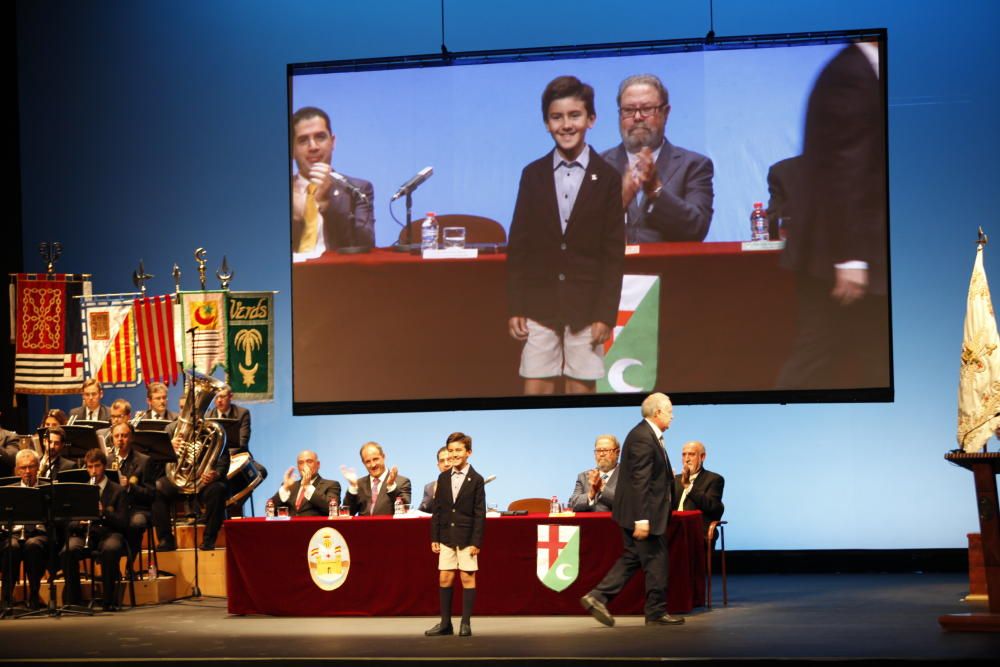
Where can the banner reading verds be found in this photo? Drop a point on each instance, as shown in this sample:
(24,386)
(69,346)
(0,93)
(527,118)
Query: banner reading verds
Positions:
(250,342)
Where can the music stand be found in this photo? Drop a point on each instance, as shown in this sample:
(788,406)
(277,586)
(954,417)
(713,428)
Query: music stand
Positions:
(18,505)
(152,425)
(96,424)
(71,502)
(81,476)
(79,440)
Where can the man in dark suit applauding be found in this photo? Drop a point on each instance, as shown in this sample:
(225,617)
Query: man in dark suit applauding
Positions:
(138,482)
(696,488)
(457,532)
(595,488)
(310,495)
(375,493)
(642,509)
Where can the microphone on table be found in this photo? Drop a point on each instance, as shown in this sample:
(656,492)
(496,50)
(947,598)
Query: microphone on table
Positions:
(489,479)
(350,187)
(413,183)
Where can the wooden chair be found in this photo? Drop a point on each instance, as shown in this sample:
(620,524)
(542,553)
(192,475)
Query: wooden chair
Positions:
(713,528)
(477,228)
(531,505)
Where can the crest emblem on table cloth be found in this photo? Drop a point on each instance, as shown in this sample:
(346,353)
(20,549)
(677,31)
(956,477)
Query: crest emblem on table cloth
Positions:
(329,559)
(557,556)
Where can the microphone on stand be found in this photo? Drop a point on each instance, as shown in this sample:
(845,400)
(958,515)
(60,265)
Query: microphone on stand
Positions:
(347,185)
(489,479)
(413,183)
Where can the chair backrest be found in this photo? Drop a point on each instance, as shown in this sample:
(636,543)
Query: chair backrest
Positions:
(477,228)
(533,505)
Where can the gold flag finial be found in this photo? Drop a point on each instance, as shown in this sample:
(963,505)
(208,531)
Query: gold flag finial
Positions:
(983,239)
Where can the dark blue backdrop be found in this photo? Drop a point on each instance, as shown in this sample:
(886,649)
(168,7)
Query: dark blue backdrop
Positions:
(149,129)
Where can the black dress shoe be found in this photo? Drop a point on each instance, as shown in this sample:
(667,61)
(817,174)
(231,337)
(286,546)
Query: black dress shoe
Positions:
(597,610)
(207,546)
(34,602)
(166,545)
(110,606)
(666,619)
(439,630)
(465,630)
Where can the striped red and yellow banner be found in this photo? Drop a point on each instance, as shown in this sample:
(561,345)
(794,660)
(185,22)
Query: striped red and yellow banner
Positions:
(154,323)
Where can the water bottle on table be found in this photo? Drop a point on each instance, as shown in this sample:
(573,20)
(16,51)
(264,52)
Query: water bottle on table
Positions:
(429,232)
(758,223)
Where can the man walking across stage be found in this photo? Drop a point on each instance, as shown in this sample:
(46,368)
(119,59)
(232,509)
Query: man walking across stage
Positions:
(641,508)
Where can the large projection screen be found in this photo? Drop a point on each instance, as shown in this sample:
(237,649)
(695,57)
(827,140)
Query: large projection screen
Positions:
(795,122)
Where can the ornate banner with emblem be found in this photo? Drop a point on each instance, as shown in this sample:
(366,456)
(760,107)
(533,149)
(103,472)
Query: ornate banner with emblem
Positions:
(558,556)
(46,332)
(630,354)
(979,372)
(329,559)
(110,353)
(205,312)
(251,345)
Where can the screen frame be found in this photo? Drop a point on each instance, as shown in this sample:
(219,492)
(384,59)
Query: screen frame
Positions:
(566,52)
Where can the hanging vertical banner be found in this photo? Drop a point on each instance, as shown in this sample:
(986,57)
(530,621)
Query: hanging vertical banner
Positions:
(110,353)
(154,324)
(205,312)
(251,345)
(48,342)
(630,354)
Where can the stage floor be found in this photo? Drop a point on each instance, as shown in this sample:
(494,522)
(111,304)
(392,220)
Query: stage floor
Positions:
(769,616)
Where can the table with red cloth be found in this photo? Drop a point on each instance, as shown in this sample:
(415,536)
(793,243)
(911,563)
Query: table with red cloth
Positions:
(392,571)
(392,326)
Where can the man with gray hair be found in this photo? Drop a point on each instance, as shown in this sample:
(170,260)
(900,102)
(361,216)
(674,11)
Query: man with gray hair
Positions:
(666,190)
(595,488)
(697,488)
(642,509)
(27,544)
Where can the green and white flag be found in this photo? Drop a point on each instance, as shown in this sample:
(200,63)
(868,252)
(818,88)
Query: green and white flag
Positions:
(558,556)
(250,343)
(631,353)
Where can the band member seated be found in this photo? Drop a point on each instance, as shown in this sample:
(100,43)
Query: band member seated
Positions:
(697,488)
(29,543)
(53,462)
(92,408)
(8,450)
(376,492)
(105,535)
(311,494)
(443,463)
(226,409)
(136,479)
(595,488)
(121,411)
(212,494)
(156,399)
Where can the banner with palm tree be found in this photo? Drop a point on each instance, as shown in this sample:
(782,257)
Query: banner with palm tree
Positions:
(250,343)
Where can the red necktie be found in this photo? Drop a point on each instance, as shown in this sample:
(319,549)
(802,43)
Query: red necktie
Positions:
(302,495)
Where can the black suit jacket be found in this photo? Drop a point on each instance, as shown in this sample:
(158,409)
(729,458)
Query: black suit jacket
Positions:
(142,483)
(384,504)
(80,412)
(243,416)
(705,495)
(683,209)
(427,502)
(458,521)
(574,278)
(645,482)
(8,451)
(337,223)
(318,505)
(841,214)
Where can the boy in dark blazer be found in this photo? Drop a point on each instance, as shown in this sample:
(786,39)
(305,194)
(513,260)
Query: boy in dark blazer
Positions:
(457,532)
(566,250)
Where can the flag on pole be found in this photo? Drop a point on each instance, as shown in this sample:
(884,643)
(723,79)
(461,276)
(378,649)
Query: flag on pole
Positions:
(250,335)
(48,346)
(109,345)
(154,323)
(205,312)
(979,372)
(630,354)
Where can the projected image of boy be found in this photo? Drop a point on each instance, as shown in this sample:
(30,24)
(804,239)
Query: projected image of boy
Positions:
(565,252)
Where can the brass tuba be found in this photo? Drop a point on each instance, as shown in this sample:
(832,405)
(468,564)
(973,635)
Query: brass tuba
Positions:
(200,448)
